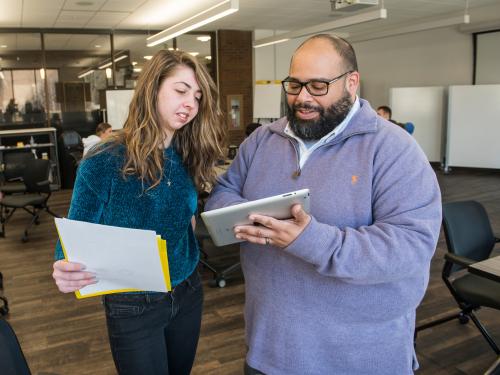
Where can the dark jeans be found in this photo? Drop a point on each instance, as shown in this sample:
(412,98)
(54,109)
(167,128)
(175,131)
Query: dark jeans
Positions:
(155,333)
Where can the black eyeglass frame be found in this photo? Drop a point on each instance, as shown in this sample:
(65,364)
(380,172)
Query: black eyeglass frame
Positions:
(302,84)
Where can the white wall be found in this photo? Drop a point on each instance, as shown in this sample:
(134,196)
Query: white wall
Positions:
(439,57)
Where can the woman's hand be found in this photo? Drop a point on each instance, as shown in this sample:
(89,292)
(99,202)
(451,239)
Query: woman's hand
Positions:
(70,276)
(271,231)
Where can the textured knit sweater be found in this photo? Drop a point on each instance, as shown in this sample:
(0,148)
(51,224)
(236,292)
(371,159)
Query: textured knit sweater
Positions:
(102,195)
(341,298)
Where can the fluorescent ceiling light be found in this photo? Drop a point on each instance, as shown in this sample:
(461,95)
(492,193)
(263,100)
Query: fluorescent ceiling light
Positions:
(42,73)
(211,14)
(208,57)
(324,27)
(116,59)
(149,57)
(194,53)
(134,63)
(203,38)
(4,46)
(109,73)
(1,75)
(263,44)
(86,73)
(137,70)
(430,24)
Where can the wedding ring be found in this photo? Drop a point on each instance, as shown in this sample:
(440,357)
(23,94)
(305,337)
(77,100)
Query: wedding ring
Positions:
(267,240)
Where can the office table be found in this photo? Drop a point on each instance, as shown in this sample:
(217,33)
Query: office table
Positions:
(489,268)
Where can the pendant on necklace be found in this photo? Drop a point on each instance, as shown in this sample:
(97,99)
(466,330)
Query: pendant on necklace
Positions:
(169,183)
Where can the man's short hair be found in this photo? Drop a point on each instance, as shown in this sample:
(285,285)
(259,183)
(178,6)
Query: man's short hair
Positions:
(385,109)
(343,48)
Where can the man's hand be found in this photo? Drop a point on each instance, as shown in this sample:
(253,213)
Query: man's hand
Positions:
(271,231)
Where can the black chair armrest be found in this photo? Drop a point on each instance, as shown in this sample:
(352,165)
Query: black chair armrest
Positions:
(43,183)
(457,259)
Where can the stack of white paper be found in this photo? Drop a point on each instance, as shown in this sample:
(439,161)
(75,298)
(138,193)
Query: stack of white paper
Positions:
(123,259)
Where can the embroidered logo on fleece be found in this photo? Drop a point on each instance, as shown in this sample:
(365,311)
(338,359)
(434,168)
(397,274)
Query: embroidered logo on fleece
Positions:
(354,179)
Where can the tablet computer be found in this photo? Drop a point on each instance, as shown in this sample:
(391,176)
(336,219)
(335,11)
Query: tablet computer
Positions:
(220,222)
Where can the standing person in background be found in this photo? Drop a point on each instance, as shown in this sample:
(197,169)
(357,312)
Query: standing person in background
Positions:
(146,177)
(334,291)
(102,132)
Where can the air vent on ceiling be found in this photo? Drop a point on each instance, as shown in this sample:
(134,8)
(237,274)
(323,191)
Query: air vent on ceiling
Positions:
(351,5)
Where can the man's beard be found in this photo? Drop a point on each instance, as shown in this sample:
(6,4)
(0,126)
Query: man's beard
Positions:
(328,120)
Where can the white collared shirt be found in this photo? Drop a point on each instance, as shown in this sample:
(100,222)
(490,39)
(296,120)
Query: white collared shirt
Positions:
(306,148)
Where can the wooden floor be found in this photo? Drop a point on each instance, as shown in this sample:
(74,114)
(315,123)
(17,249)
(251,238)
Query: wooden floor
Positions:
(62,335)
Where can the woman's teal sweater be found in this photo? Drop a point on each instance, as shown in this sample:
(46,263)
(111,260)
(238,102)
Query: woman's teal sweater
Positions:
(102,195)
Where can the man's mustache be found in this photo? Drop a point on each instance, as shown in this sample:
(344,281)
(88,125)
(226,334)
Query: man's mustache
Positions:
(307,107)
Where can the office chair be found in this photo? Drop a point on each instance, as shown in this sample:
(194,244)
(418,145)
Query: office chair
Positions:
(4,308)
(469,239)
(73,145)
(14,164)
(11,355)
(202,235)
(36,178)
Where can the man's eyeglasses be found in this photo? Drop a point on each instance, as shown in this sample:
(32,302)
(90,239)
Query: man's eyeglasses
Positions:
(315,87)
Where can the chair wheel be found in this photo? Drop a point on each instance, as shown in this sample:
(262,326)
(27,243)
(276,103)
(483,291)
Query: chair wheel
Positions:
(463,319)
(221,282)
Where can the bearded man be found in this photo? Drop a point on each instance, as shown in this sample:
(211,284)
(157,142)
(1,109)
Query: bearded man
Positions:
(333,291)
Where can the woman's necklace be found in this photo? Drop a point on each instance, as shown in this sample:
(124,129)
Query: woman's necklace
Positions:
(169,182)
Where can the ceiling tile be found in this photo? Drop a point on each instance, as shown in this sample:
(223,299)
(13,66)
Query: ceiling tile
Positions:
(106,20)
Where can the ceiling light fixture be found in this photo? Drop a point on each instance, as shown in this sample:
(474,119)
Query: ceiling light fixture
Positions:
(429,24)
(324,27)
(203,38)
(149,57)
(109,73)
(194,53)
(211,14)
(104,66)
(86,73)
(42,73)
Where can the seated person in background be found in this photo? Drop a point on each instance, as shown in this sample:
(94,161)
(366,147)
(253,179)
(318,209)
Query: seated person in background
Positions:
(386,113)
(251,127)
(102,131)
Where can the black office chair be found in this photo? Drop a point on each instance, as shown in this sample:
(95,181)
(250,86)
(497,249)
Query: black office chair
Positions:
(73,145)
(202,235)
(4,303)
(14,164)
(12,359)
(469,239)
(38,190)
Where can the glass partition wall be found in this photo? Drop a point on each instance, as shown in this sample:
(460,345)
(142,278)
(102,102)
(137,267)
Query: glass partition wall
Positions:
(60,78)
(22,81)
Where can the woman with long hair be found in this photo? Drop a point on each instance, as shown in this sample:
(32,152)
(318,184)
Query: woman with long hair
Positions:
(147,177)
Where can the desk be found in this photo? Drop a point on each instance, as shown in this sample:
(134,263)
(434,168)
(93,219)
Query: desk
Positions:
(222,168)
(489,268)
